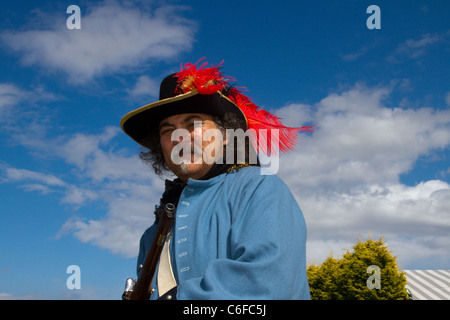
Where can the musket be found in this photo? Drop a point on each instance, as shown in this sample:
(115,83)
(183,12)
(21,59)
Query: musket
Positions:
(140,289)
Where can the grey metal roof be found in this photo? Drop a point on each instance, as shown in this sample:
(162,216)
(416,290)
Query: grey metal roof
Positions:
(429,284)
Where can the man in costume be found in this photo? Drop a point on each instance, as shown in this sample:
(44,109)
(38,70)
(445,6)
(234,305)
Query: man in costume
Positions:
(238,233)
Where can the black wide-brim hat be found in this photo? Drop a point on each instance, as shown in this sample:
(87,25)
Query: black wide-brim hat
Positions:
(144,121)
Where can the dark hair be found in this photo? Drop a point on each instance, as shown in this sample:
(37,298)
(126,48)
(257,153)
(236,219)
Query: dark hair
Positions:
(152,154)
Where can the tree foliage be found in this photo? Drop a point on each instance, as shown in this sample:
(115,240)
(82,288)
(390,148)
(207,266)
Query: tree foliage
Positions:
(349,278)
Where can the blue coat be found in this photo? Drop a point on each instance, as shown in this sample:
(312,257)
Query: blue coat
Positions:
(239,235)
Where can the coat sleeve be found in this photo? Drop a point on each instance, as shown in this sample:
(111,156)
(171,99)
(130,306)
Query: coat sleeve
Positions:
(267,242)
(144,246)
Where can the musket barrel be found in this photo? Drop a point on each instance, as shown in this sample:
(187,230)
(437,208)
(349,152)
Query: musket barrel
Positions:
(141,290)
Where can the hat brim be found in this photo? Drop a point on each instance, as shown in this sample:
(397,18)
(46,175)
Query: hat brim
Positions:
(144,121)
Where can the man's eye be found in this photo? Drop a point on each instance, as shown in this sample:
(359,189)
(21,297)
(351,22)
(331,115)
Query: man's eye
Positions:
(192,125)
(165,132)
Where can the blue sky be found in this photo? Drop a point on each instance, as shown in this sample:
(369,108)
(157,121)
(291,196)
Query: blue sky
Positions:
(74,193)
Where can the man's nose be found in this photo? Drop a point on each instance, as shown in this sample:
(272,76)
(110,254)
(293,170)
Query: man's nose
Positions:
(177,141)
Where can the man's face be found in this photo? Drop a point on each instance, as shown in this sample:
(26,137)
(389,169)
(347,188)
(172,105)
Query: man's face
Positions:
(193,136)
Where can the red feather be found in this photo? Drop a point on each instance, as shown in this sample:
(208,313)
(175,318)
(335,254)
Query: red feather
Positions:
(269,134)
(204,80)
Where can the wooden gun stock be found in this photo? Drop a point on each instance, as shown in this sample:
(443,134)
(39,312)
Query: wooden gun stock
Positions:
(142,287)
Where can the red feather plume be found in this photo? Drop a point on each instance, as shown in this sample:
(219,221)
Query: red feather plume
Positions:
(268,133)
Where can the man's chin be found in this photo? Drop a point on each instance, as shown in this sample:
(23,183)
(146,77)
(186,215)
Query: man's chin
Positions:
(184,171)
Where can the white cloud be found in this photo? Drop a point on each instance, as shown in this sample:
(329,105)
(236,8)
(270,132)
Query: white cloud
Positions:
(33,181)
(114,35)
(346,176)
(354,56)
(359,141)
(10,296)
(79,147)
(119,230)
(9,95)
(414,48)
(407,217)
(78,196)
(87,152)
(14,174)
(98,174)
(43,189)
(145,87)
(22,116)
